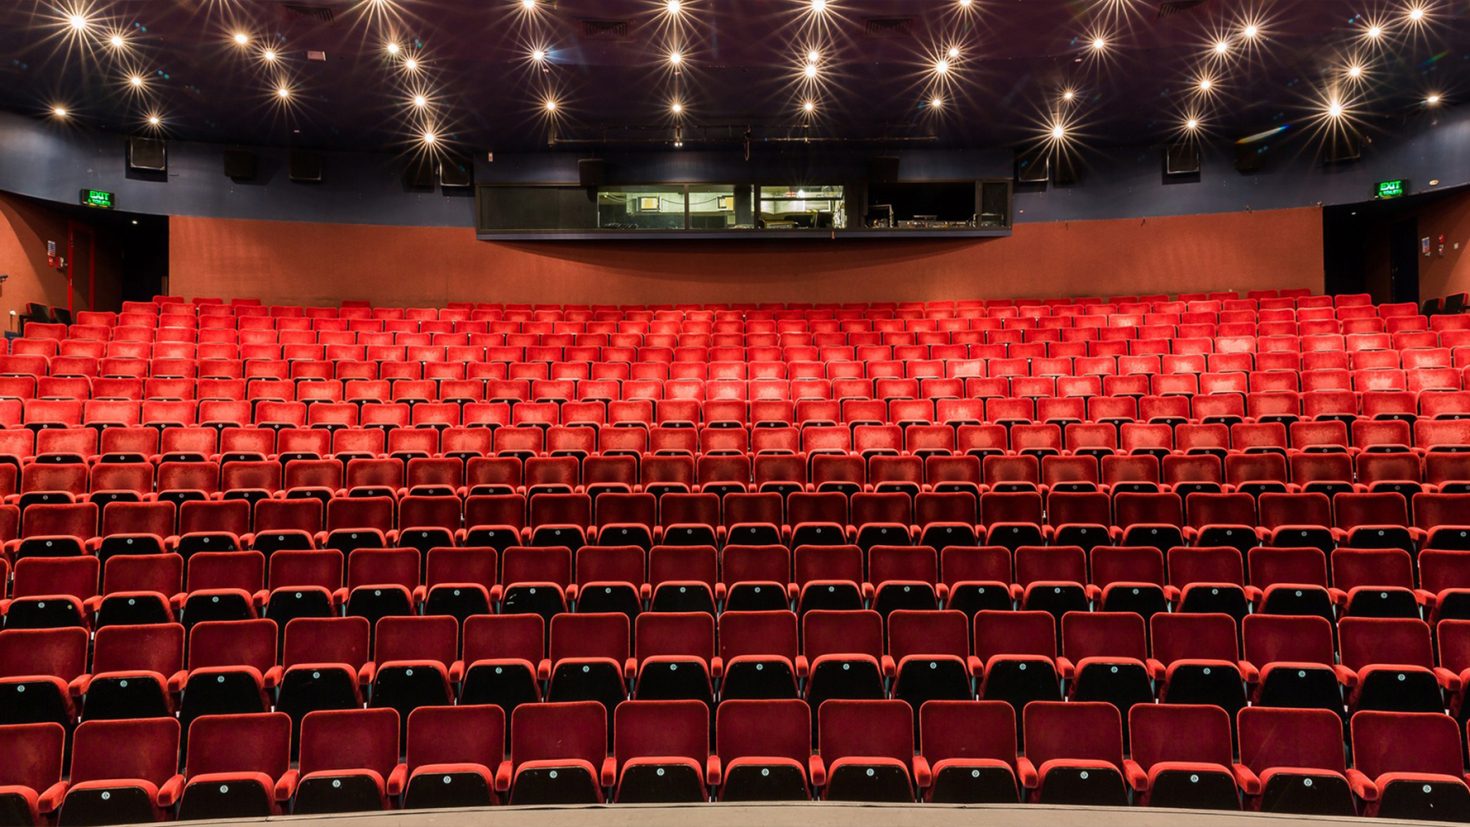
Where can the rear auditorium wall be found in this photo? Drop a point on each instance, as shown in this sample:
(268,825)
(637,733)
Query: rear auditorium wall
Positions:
(313,263)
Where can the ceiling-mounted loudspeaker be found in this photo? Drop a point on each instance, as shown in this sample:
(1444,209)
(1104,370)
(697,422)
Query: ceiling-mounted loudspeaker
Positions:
(305,167)
(419,174)
(456,173)
(591,172)
(883,169)
(147,155)
(241,165)
(1032,166)
(1181,158)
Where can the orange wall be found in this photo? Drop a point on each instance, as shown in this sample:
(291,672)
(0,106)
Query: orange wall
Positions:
(1441,275)
(309,263)
(25,227)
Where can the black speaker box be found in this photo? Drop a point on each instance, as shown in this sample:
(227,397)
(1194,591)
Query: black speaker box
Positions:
(241,165)
(305,167)
(1064,169)
(1032,166)
(456,172)
(591,172)
(147,155)
(1250,157)
(883,169)
(419,174)
(1345,144)
(1181,158)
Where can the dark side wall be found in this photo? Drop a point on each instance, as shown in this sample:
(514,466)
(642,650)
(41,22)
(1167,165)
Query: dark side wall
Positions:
(25,227)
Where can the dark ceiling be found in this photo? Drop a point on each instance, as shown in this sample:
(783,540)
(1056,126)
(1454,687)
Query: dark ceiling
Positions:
(608,68)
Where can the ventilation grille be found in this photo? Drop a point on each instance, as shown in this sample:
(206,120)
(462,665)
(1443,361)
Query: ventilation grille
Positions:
(1168,8)
(888,26)
(605,29)
(315,11)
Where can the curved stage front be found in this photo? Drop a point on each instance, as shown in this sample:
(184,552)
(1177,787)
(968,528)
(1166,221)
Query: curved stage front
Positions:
(818,814)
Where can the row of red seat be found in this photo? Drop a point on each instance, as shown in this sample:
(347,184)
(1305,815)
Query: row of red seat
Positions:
(1405,765)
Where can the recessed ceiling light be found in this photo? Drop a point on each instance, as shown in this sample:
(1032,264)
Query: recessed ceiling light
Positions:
(1099,43)
(528,5)
(1417,13)
(813,56)
(1192,124)
(240,38)
(429,138)
(116,41)
(135,81)
(550,104)
(677,108)
(78,22)
(269,56)
(809,106)
(283,91)
(1335,109)
(393,48)
(1250,31)
(59,111)
(1432,99)
(1222,47)
(936,103)
(676,58)
(673,7)
(965,4)
(411,64)
(154,120)
(819,6)
(1355,71)
(538,55)
(1058,131)
(1205,84)
(1069,95)
(810,70)
(1373,32)
(419,101)
(941,67)
(954,53)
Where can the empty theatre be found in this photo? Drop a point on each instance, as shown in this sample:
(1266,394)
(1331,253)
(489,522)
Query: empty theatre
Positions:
(654,413)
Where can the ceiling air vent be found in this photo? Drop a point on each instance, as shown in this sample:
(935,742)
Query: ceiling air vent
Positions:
(1168,8)
(605,29)
(888,26)
(315,11)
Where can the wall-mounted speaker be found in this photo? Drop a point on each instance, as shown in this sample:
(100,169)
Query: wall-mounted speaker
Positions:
(456,173)
(1343,145)
(147,155)
(1250,157)
(883,169)
(241,165)
(591,172)
(419,174)
(1181,158)
(1065,171)
(1032,166)
(305,167)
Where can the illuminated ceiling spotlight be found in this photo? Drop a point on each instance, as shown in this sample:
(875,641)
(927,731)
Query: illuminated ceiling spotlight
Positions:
(1098,43)
(1433,99)
(965,4)
(1355,71)
(1373,32)
(936,103)
(393,48)
(1205,84)
(808,106)
(538,55)
(1069,95)
(117,41)
(78,22)
(1250,30)
(419,101)
(673,7)
(813,56)
(283,92)
(1057,132)
(411,64)
(135,81)
(1416,13)
(270,55)
(676,58)
(429,137)
(953,53)
(810,71)
(1221,47)
(1335,109)
(1191,124)
(528,5)
(240,39)
(819,6)
(676,108)
(155,121)
(550,105)
(941,67)
(59,111)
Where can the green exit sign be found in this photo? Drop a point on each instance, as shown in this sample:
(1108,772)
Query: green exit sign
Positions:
(97,199)
(1391,189)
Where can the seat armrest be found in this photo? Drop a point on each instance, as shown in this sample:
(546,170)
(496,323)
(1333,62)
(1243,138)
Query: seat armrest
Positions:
(502,776)
(1249,672)
(51,798)
(923,775)
(271,677)
(817,770)
(1027,772)
(630,669)
(716,667)
(1249,783)
(286,785)
(1363,786)
(1066,670)
(1448,679)
(886,664)
(168,794)
(1253,595)
(78,685)
(1337,596)
(543,670)
(1345,676)
(177,680)
(1156,669)
(975,665)
(803,667)
(609,771)
(456,672)
(713,772)
(1137,777)
(366,673)
(397,779)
